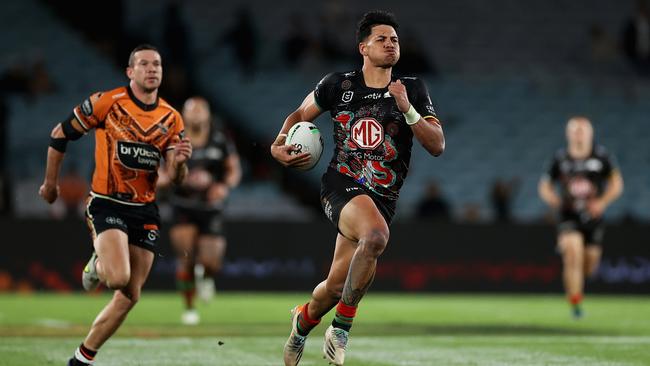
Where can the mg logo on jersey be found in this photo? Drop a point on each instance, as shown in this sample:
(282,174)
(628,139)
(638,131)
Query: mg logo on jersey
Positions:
(580,187)
(367,133)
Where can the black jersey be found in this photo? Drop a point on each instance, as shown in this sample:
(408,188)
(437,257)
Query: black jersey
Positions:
(372,140)
(210,158)
(581,179)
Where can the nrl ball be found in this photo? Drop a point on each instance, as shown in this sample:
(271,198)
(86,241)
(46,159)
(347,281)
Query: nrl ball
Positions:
(306,137)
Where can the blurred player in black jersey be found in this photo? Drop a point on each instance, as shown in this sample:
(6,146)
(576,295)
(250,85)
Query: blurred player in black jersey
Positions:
(589,181)
(197,233)
(375,114)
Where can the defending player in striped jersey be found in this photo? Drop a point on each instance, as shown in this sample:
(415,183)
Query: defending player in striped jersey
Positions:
(134,129)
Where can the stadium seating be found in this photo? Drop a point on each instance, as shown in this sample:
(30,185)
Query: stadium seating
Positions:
(77,69)
(507,88)
(509,79)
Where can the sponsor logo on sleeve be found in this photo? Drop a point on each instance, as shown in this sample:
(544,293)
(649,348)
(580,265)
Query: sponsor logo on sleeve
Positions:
(87,108)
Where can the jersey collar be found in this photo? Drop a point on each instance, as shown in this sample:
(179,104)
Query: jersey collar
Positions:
(138,102)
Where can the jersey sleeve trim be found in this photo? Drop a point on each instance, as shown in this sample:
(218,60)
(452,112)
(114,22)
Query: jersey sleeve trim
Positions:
(80,120)
(317,105)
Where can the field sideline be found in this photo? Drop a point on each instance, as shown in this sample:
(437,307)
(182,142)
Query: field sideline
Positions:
(390,329)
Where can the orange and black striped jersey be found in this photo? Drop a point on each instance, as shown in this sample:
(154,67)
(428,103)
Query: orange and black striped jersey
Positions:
(130,140)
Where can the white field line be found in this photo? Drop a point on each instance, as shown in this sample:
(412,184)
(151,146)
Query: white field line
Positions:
(384,351)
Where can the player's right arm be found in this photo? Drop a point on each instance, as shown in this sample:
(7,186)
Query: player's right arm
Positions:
(308,111)
(85,116)
(548,194)
(546,188)
(63,132)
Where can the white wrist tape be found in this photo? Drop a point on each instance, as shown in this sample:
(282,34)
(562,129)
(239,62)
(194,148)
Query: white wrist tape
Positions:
(412,116)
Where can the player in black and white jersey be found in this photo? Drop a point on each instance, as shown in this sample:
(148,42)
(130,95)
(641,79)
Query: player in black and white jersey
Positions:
(197,233)
(589,180)
(375,115)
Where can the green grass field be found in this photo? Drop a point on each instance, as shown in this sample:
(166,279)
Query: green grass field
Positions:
(389,330)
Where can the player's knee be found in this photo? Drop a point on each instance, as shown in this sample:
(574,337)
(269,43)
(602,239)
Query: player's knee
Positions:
(572,255)
(128,297)
(334,290)
(375,242)
(133,296)
(211,266)
(118,279)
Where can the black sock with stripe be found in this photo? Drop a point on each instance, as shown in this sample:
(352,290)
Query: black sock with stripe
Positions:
(84,356)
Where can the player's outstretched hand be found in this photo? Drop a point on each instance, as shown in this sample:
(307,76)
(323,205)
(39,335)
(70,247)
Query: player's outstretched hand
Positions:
(398,91)
(49,192)
(286,154)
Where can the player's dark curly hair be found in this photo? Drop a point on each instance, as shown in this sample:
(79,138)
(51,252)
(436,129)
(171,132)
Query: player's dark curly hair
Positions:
(371,19)
(142,47)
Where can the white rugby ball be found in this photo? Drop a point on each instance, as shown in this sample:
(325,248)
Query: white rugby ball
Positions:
(305,136)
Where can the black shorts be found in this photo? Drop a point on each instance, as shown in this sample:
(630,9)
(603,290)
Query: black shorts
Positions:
(338,189)
(592,230)
(140,223)
(209,222)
